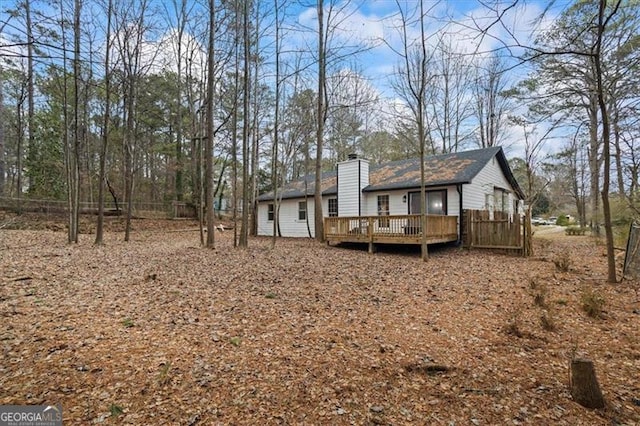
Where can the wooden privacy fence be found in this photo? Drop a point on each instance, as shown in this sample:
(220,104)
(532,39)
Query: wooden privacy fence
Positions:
(493,230)
(140,209)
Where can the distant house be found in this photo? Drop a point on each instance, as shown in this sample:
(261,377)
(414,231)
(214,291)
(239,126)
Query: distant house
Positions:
(479,179)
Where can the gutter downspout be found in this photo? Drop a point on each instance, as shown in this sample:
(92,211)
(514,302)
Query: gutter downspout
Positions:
(460,214)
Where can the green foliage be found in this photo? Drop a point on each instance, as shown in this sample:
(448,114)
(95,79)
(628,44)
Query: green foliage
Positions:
(115,410)
(562,220)
(541,206)
(235,341)
(127,322)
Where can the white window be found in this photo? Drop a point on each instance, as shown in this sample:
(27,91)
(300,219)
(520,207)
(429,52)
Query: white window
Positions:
(270,212)
(302,210)
(383,210)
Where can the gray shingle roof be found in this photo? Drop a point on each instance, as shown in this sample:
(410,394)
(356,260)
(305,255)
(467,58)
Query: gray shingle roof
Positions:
(440,170)
(306,184)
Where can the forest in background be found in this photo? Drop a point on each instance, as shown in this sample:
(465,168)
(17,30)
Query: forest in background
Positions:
(212,103)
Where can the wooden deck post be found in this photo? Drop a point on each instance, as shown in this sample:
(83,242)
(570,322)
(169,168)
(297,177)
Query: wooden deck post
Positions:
(370,234)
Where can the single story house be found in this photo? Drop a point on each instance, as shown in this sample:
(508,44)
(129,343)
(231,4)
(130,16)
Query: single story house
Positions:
(479,179)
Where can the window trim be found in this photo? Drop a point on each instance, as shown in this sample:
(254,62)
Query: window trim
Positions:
(330,212)
(302,212)
(271,210)
(382,221)
(501,199)
(445,200)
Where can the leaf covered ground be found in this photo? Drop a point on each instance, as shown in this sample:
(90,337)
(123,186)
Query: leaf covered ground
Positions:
(161,331)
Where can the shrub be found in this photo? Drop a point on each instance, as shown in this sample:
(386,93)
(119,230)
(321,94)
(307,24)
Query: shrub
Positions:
(548,321)
(514,325)
(592,303)
(562,220)
(575,230)
(562,262)
(538,291)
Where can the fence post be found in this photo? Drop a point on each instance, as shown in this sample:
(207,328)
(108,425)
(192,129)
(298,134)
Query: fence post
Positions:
(370,234)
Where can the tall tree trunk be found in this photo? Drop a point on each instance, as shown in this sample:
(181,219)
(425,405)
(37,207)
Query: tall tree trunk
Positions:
(606,141)
(76,122)
(68,152)
(19,149)
(31,148)
(276,130)
(128,156)
(321,112)
(179,184)
(105,129)
(255,146)
(422,134)
(618,150)
(594,163)
(234,129)
(2,167)
(244,230)
(209,142)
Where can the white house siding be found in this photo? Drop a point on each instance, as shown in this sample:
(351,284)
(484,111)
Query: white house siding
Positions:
(479,193)
(398,207)
(290,226)
(353,175)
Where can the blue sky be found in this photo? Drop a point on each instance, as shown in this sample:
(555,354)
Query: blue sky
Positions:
(375,23)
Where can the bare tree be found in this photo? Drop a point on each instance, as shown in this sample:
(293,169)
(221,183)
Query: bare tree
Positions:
(2,129)
(246,126)
(321,116)
(491,104)
(105,126)
(130,39)
(276,125)
(211,63)
(31,148)
(593,27)
(451,106)
(413,81)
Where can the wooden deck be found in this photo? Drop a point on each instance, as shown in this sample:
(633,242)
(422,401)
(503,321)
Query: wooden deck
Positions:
(399,229)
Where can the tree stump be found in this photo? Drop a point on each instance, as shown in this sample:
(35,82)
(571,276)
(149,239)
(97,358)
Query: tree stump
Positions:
(585,389)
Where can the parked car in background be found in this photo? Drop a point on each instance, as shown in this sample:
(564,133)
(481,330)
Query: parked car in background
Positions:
(537,221)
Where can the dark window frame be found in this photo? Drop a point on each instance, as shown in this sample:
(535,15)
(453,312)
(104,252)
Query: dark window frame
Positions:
(445,201)
(332,202)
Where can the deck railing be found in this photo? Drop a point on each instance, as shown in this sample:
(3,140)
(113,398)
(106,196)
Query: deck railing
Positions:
(396,229)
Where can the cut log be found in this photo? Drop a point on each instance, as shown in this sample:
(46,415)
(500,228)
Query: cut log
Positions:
(585,389)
